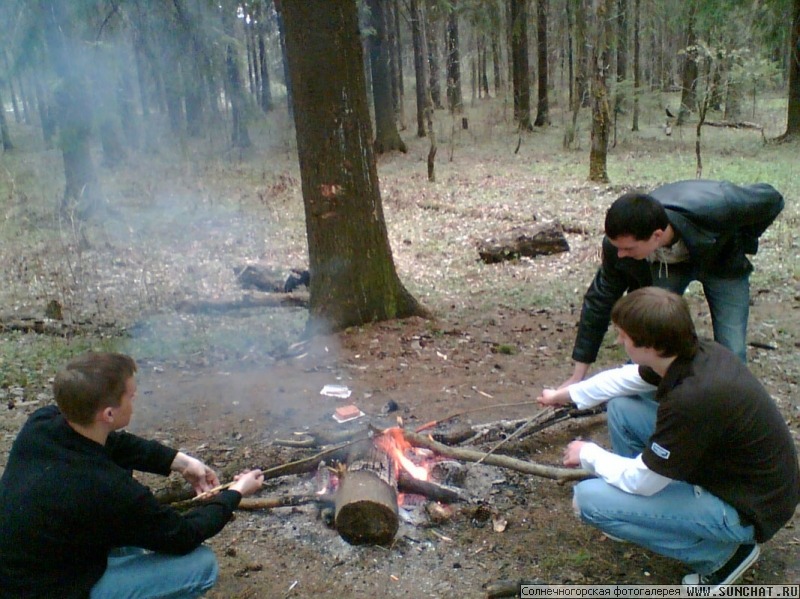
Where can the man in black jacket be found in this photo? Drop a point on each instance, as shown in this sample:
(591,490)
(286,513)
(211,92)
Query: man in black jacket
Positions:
(681,232)
(74,523)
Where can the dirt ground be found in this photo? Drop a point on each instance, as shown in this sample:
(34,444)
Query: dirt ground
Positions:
(431,370)
(485,348)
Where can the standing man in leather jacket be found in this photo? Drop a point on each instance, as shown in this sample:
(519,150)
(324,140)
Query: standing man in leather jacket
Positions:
(694,230)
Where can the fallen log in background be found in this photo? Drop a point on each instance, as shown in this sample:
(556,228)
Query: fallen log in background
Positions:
(276,300)
(471,455)
(541,239)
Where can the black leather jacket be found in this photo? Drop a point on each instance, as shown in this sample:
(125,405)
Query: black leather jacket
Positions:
(720,222)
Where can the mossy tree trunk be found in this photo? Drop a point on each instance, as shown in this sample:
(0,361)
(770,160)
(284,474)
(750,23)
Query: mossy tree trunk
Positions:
(353,277)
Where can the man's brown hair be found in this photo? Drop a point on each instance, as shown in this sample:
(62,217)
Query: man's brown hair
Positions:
(92,382)
(657,318)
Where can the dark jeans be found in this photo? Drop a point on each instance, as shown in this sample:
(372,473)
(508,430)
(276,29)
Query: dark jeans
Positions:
(728,300)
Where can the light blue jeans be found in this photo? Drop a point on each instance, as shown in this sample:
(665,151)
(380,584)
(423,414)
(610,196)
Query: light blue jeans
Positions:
(134,573)
(682,521)
(728,301)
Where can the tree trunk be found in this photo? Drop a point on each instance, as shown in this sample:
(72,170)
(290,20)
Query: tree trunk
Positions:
(690,69)
(396,62)
(4,133)
(287,77)
(455,101)
(417,19)
(82,191)
(601,118)
(353,277)
(793,110)
(637,66)
(431,30)
(240,137)
(542,106)
(263,61)
(10,82)
(519,54)
(387,138)
(622,55)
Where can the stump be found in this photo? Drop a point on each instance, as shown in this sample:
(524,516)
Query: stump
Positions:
(366,500)
(531,241)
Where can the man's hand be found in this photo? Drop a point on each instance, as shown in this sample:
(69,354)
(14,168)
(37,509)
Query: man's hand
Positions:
(572,454)
(554,397)
(248,482)
(201,477)
(578,374)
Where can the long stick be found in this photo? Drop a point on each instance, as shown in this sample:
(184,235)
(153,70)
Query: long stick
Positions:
(538,417)
(287,468)
(433,423)
(470,455)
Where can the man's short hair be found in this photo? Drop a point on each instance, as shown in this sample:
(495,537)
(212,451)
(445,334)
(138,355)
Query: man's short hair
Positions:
(657,318)
(90,383)
(636,214)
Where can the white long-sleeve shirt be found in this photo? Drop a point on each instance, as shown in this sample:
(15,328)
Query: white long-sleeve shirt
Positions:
(627,474)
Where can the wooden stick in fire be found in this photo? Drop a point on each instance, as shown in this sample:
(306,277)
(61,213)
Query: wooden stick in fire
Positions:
(434,423)
(538,417)
(284,468)
(560,475)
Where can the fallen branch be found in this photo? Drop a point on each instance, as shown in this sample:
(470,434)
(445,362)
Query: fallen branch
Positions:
(434,423)
(470,455)
(268,503)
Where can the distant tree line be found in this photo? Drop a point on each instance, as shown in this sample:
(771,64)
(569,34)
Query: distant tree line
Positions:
(116,71)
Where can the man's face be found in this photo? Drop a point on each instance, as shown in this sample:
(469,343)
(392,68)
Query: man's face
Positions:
(124,411)
(638,249)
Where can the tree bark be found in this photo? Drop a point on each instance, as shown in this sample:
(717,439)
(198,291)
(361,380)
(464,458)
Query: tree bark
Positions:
(420,62)
(542,106)
(387,137)
(353,277)
(601,117)
(690,69)
(637,65)
(793,109)
(432,29)
(519,52)
(82,194)
(455,101)
(622,55)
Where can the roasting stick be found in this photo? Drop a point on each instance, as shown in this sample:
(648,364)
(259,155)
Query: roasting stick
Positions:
(434,423)
(538,417)
(282,467)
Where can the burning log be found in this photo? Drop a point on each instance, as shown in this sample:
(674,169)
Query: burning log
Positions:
(408,484)
(470,455)
(366,500)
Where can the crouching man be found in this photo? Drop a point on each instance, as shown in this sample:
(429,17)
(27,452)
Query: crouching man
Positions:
(74,523)
(702,473)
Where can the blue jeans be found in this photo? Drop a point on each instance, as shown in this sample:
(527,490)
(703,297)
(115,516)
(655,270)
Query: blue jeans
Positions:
(728,301)
(682,521)
(135,573)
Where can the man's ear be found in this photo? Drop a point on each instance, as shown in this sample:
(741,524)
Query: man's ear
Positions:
(106,415)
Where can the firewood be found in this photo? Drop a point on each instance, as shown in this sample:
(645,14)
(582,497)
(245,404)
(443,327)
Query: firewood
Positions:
(408,484)
(470,455)
(366,500)
(268,503)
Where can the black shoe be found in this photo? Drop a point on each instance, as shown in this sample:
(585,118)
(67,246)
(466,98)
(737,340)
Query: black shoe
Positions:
(730,572)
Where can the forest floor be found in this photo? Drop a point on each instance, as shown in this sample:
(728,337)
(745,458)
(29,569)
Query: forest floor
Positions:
(226,386)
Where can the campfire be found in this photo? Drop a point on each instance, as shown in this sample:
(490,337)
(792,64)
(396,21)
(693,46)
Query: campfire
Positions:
(373,484)
(381,475)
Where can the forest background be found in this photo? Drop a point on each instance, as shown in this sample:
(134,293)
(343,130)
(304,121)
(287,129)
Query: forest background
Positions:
(150,153)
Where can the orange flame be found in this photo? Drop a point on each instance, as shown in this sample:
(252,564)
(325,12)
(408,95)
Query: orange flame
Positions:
(394,443)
